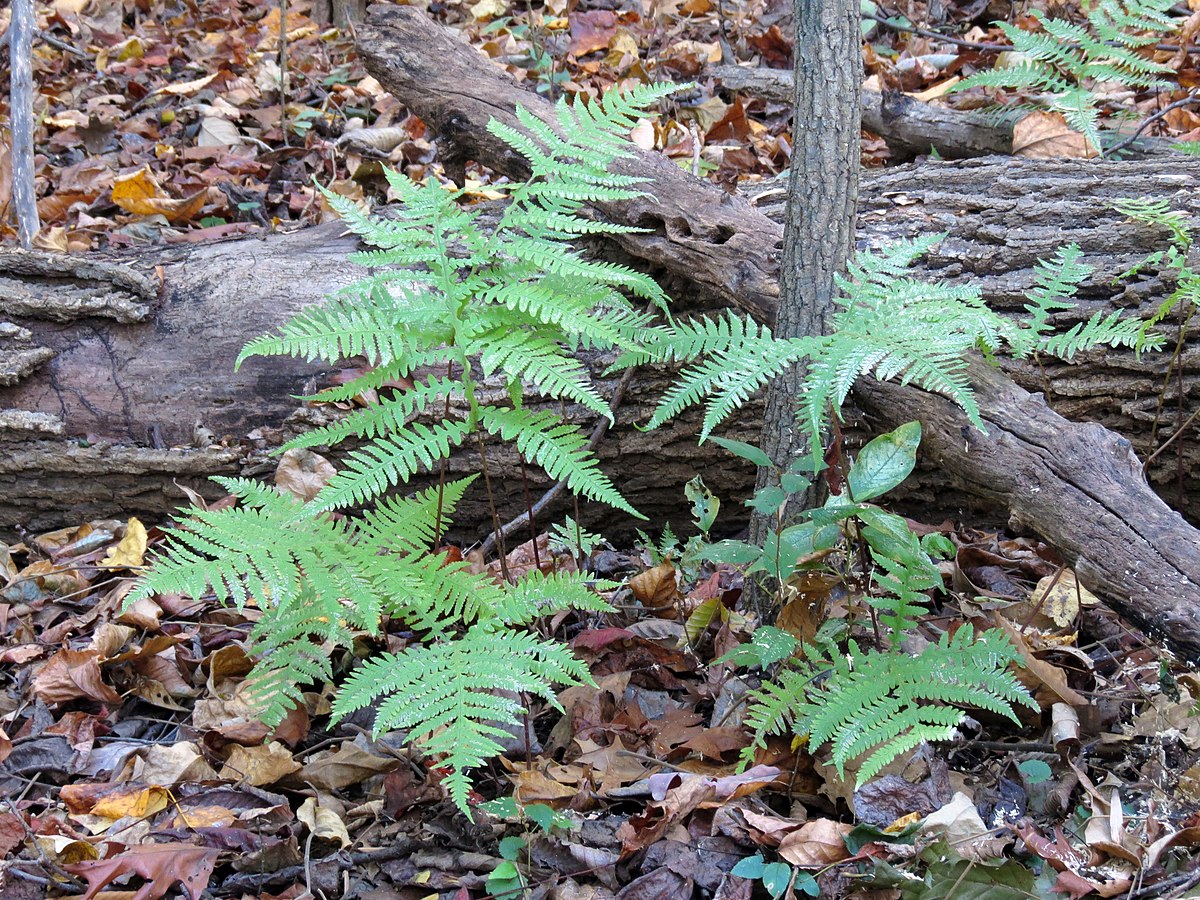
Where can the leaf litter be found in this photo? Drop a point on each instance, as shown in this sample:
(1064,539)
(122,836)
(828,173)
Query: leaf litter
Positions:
(130,757)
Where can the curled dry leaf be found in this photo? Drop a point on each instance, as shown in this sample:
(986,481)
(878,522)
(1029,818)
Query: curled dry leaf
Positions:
(816,844)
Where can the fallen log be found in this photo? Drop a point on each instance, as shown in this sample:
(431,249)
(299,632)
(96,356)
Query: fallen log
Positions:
(101,420)
(1068,518)
(909,127)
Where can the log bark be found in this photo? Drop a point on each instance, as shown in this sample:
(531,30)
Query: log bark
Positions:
(106,373)
(909,127)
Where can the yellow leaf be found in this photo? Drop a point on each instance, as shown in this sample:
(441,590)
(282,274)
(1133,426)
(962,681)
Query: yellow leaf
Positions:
(138,804)
(323,823)
(131,552)
(489,9)
(138,193)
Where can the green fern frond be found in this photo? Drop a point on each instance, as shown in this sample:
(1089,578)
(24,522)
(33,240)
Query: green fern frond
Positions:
(372,470)
(543,362)
(537,595)
(886,702)
(455,696)
(559,448)
(389,415)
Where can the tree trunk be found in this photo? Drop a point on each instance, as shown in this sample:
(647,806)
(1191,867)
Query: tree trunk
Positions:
(821,208)
(20,49)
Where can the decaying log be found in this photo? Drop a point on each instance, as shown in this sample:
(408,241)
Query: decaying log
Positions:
(99,421)
(1081,486)
(1069,520)
(909,127)
(1000,215)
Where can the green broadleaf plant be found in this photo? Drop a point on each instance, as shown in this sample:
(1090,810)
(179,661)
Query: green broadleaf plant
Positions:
(874,701)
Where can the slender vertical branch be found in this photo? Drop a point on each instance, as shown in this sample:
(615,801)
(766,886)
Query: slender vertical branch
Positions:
(20,50)
(487,482)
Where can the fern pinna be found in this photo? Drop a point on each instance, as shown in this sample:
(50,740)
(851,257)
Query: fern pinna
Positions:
(449,303)
(1065,64)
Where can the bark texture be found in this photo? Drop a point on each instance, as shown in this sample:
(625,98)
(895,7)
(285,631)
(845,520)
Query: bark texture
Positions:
(136,367)
(822,205)
(909,127)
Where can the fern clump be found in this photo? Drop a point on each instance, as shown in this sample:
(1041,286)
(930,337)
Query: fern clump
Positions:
(887,324)
(865,695)
(880,703)
(449,304)
(1064,64)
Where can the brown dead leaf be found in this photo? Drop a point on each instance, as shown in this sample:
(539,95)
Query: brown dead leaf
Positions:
(72,675)
(303,473)
(162,866)
(816,844)
(1045,135)
(323,822)
(259,765)
(137,192)
(657,589)
(1043,674)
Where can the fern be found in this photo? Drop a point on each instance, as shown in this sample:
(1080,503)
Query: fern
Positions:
(1065,62)
(447,294)
(883,703)
(455,696)
(887,325)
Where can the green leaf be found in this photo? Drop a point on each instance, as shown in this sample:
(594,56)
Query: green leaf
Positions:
(748,452)
(885,462)
(768,500)
(781,552)
(501,808)
(766,646)
(1035,771)
(704,504)
(775,878)
(806,883)
(937,544)
(751,867)
(701,618)
(541,815)
(512,847)
(864,834)
(734,553)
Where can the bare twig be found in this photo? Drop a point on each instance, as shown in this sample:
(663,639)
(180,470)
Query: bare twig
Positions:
(21,33)
(1189,100)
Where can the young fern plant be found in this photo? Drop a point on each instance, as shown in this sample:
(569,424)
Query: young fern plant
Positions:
(1065,63)
(864,695)
(887,324)
(449,304)
(1174,258)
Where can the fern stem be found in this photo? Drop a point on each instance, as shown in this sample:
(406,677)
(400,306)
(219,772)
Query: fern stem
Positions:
(487,483)
(437,528)
(533,536)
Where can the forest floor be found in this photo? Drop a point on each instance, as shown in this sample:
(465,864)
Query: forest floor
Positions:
(128,749)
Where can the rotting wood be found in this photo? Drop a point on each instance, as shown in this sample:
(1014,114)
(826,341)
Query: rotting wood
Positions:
(908,126)
(1068,515)
(126,397)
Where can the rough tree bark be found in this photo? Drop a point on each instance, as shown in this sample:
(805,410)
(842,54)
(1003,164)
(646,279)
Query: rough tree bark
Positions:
(821,208)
